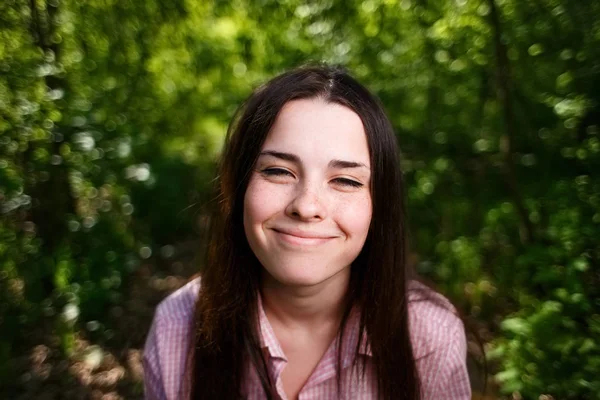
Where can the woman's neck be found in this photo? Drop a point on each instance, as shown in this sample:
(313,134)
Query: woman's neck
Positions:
(305,307)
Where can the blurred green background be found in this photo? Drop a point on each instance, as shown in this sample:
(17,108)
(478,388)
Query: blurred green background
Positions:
(113,112)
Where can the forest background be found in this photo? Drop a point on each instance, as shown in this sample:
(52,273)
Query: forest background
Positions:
(113,113)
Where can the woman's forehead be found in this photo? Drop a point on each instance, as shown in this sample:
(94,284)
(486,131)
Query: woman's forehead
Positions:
(312,128)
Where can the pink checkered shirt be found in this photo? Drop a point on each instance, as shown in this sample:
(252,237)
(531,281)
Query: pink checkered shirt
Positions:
(437,334)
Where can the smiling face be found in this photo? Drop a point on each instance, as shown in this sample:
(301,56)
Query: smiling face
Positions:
(307,208)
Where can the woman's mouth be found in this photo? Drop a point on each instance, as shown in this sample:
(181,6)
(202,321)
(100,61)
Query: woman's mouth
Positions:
(302,238)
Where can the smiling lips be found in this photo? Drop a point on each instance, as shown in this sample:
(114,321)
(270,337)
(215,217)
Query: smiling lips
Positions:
(296,237)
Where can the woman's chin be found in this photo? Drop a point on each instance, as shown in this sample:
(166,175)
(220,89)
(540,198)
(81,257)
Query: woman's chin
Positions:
(303,277)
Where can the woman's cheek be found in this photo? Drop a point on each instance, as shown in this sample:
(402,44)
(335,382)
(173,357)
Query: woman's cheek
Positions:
(263,199)
(355,214)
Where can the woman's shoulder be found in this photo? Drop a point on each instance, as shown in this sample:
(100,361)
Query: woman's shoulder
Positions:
(167,344)
(425,303)
(179,306)
(434,321)
(439,344)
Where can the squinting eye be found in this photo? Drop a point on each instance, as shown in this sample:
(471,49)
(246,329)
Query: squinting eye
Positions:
(348,182)
(276,172)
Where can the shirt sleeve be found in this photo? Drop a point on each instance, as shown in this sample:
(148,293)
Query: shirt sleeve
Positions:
(452,377)
(153,383)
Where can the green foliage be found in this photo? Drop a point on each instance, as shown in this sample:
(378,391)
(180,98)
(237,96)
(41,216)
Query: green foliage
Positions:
(112,115)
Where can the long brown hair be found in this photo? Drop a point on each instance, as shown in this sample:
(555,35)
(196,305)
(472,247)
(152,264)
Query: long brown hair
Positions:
(226,320)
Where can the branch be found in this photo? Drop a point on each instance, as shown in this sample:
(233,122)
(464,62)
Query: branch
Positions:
(506,141)
(53,197)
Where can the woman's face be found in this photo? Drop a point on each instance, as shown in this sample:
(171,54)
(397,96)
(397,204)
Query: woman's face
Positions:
(307,208)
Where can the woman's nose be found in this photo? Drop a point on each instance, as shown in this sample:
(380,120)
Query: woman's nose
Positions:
(307,204)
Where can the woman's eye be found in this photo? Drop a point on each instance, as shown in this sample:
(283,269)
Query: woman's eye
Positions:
(348,182)
(276,172)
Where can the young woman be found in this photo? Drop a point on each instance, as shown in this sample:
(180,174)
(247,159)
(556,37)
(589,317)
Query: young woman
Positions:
(306,293)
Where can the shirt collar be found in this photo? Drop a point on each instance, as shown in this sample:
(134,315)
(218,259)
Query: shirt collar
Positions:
(267,338)
(352,332)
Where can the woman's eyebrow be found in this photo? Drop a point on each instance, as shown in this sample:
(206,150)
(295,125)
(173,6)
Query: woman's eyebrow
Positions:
(340,164)
(282,156)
